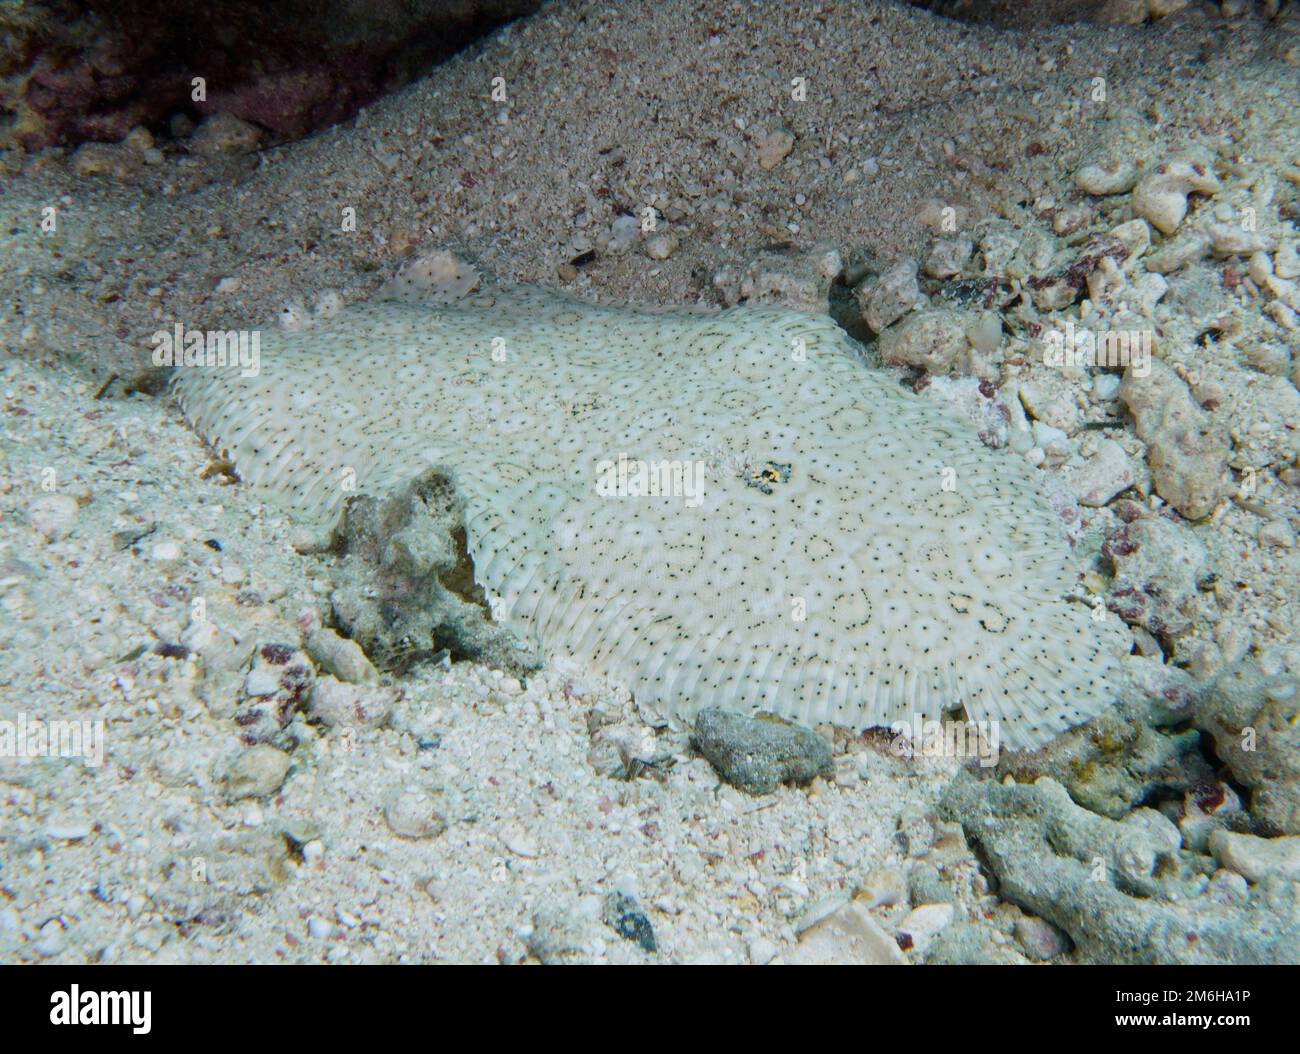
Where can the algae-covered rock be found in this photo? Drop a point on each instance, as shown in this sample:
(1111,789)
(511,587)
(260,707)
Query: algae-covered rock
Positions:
(757,754)
(1186,447)
(406,589)
(1158,566)
(1254,719)
(1137,750)
(1120,889)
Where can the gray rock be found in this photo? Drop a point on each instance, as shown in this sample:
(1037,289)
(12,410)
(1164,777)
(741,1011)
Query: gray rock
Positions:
(1187,449)
(926,886)
(1158,566)
(1117,889)
(1254,720)
(1256,858)
(931,340)
(416,812)
(341,705)
(887,298)
(1102,476)
(569,931)
(1122,756)
(759,754)
(1176,253)
(970,944)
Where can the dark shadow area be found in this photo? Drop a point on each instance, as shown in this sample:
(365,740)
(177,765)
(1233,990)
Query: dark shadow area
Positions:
(72,71)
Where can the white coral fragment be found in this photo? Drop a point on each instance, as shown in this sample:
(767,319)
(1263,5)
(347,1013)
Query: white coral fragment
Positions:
(1161,195)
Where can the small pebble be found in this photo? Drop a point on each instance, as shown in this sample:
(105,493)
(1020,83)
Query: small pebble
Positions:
(884,887)
(224,133)
(68,830)
(341,705)
(256,772)
(415,812)
(1286,262)
(1103,178)
(948,256)
(773,148)
(52,515)
(1070,218)
(1232,239)
(1040,939)
(888,297)
(167,554)
(930,339)
(341,657)
(51,940)
(924,923)
(661,246)
(1102,476)
(519,842)
(112,160)
(1277,534)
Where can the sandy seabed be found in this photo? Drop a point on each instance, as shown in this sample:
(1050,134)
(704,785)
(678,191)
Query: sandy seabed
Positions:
(763,136)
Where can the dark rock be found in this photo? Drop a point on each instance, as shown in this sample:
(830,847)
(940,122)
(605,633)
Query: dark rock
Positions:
(624,916)
(759,754)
